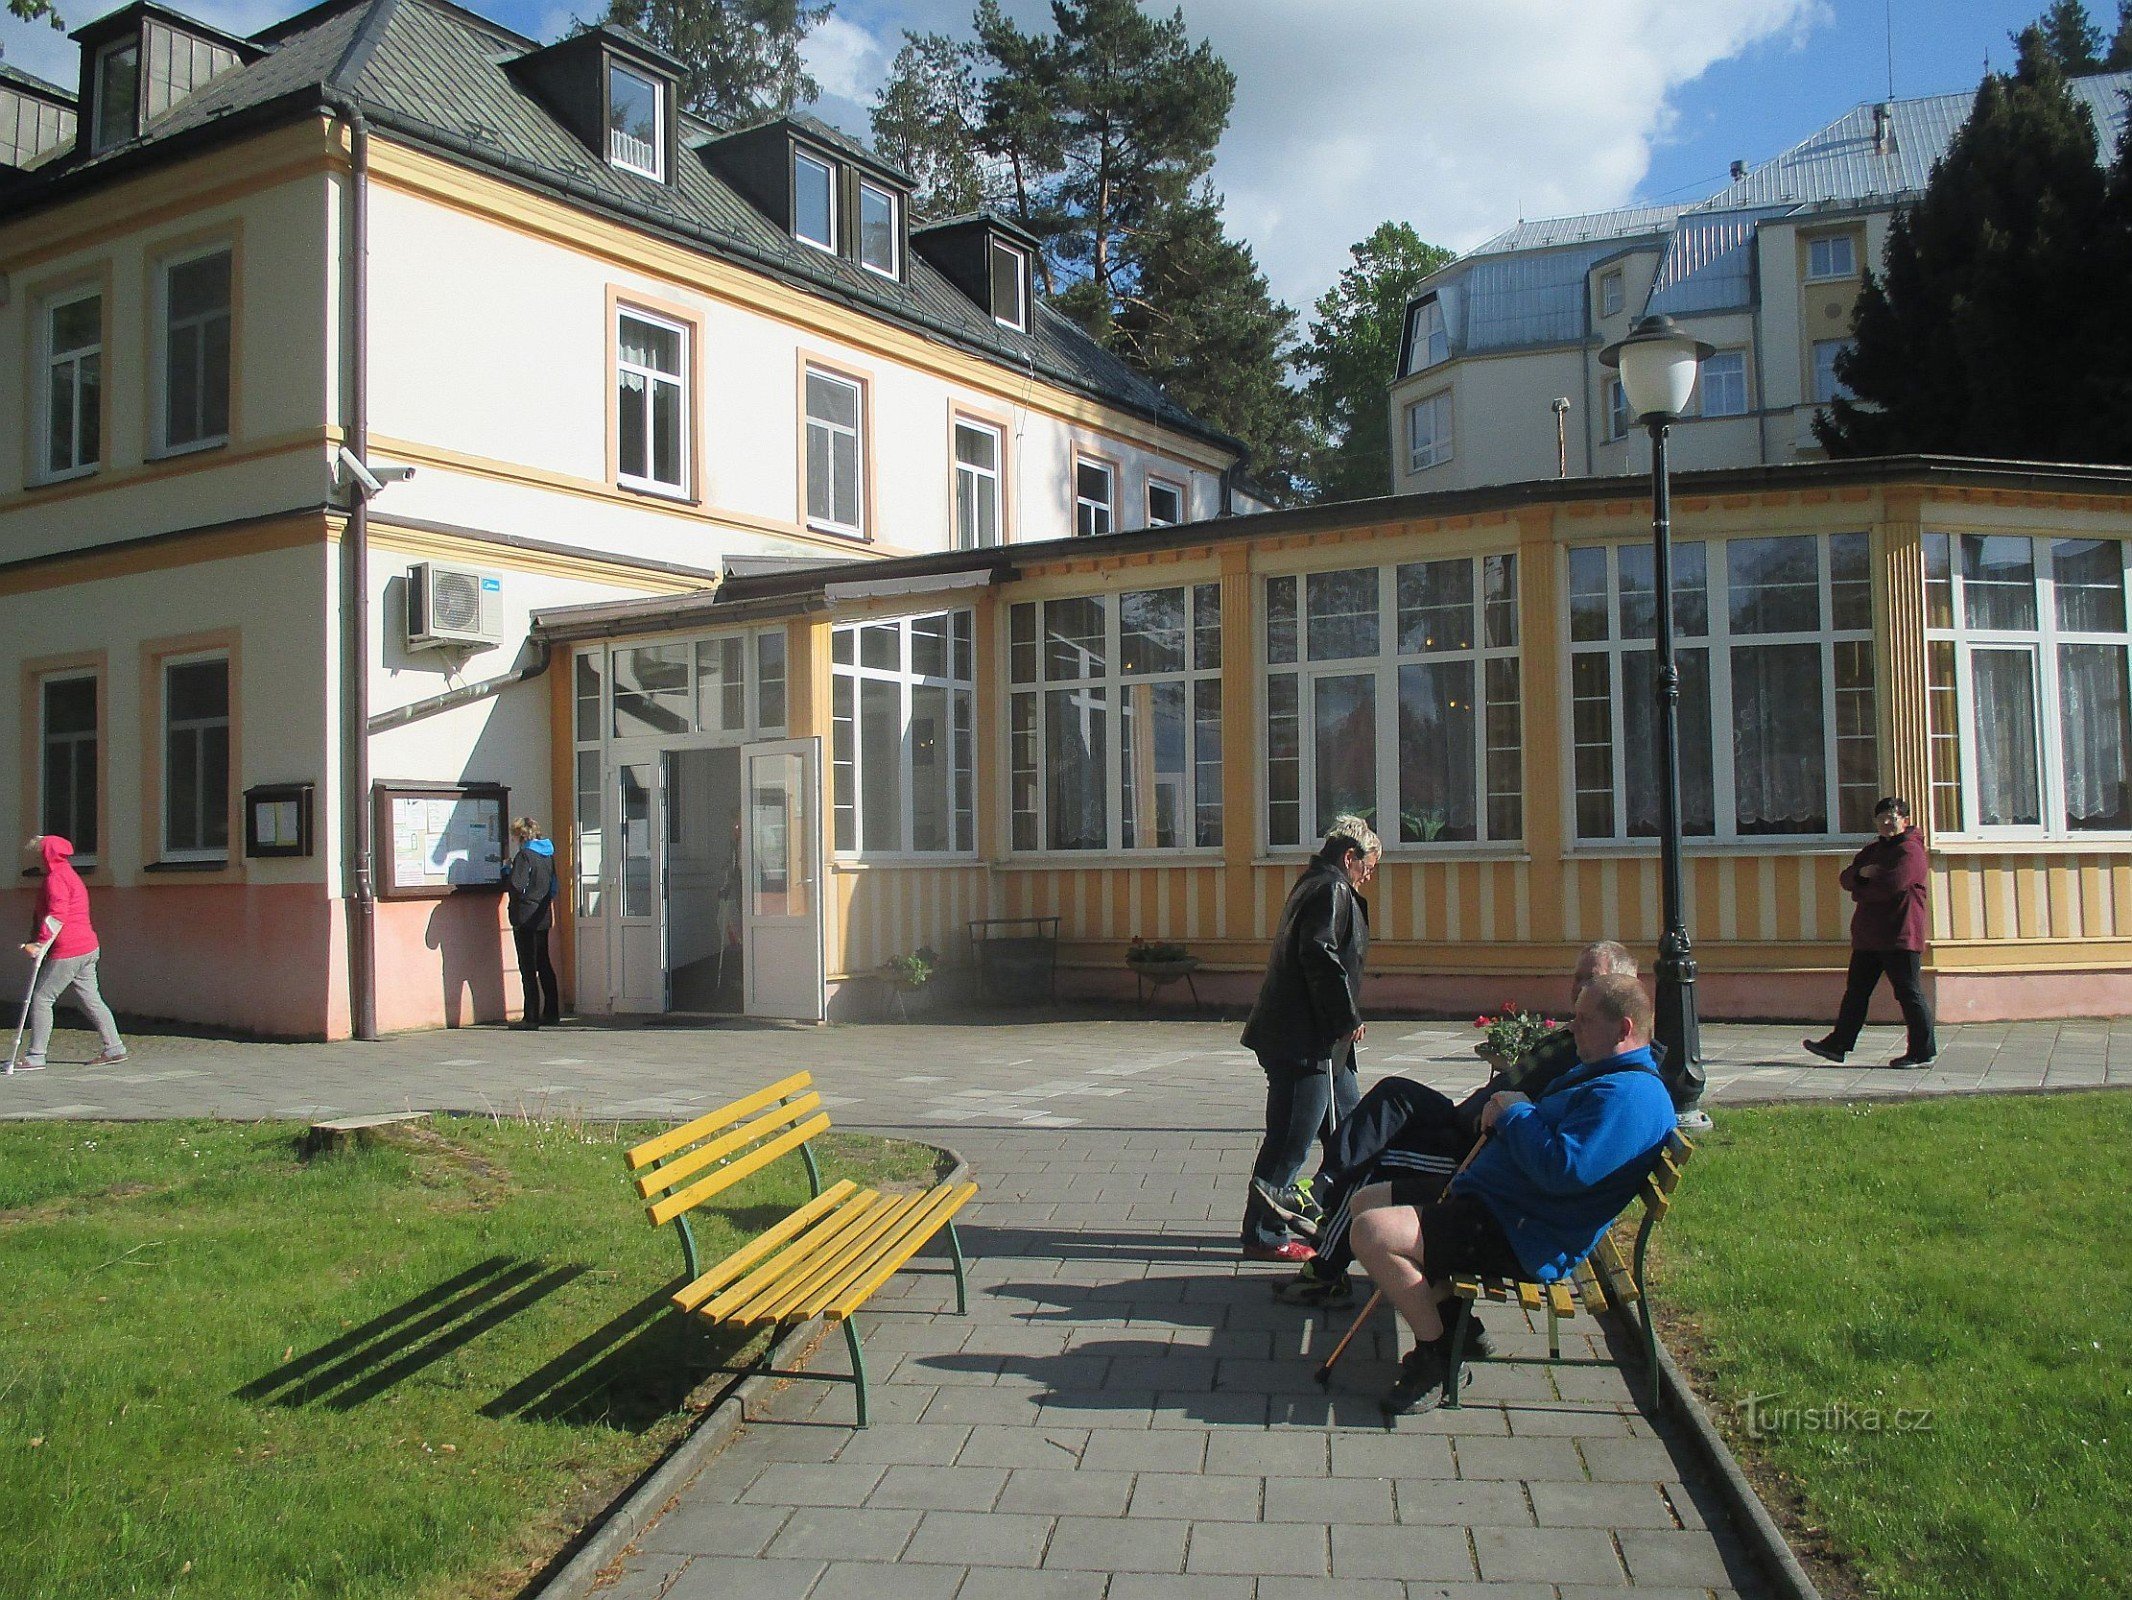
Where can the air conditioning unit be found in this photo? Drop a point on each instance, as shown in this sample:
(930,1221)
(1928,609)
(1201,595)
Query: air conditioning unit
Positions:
(452,606)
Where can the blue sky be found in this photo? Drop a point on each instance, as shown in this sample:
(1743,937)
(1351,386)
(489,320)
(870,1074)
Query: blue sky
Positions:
(1459,116)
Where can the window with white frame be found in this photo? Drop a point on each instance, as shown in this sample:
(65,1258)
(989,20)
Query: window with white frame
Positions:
(1612,293)
(1429,432)
(977,497)
(1724,384)
(72,392)
(1010,286)
(1126,685)
(835,456)
(1831,255)
(67,791)
(636,137)
(814,217)
(1094,491)
(1165,504)
(770,681)
(2027,685)
(194,372)
(880,239)
(651,401)
(1827,386)
(118,94)
(1619,420)
(1775,656)
(196,775)
(588,691)
(1394,693)
(903,759)
(1429,341)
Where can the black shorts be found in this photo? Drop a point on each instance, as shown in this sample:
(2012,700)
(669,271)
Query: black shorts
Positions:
(1460,1237)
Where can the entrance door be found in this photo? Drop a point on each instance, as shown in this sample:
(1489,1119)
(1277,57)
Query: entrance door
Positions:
(781,914)
(701,872)
(639,906)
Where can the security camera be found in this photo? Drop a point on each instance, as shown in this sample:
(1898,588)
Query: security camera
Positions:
(372,479)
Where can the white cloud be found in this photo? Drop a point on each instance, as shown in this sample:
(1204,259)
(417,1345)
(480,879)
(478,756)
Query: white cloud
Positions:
(846,60)
(1458,116)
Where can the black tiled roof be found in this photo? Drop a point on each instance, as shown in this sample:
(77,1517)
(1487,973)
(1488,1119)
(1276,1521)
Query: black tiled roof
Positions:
(430,73)
(30,82)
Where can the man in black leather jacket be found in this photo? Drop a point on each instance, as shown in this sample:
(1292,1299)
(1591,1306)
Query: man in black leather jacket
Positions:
(1306,1024)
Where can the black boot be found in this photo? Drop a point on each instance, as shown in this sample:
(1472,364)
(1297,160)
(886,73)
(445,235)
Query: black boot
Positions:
(1479,1347)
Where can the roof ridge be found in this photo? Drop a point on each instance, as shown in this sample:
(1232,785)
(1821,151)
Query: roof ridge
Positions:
(362,46)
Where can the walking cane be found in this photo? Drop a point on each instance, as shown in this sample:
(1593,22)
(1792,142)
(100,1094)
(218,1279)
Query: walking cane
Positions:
(28,996)
(1324,1374)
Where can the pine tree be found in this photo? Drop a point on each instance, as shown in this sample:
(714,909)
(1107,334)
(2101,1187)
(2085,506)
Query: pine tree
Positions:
(2072,38)
(740,58)
(1353,355)
(2102,431)
(2120,57)
(31,10)
(925,120)
(1965,338)
(1200,320)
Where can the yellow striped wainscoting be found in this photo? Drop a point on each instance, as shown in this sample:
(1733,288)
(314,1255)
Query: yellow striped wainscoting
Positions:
(1183,904)
(891,910)
(2016,898)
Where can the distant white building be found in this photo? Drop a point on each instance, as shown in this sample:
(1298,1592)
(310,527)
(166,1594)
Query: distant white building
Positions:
(1768,270)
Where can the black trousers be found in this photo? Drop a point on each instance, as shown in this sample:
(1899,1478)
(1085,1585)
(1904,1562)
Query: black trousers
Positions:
(1901,967)
(1305,1100)
(536,975)
(1402,1129)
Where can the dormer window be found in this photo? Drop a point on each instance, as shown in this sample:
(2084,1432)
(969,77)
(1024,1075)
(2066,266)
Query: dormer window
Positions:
(1431,340)
(118,94)
(1010,286)
(814,212)
(879,237)
(636,132)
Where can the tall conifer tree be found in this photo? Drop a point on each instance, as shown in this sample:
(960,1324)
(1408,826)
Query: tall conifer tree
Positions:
(739,58)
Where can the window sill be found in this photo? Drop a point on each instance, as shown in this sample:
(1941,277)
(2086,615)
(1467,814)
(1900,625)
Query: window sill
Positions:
(658,491)
(2034,845)
(219,865)
(50,480)
(882,860)
(1407,855)
(831,531)
(1110,860)
(85,868)
(200,447)
(1782,844)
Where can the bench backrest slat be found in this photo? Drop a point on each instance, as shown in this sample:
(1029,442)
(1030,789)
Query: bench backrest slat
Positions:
(711,1122)
(663,1211)
(671,1174)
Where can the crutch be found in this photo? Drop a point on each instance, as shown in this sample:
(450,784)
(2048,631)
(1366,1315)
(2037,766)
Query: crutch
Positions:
(1324,1374)
(30,994)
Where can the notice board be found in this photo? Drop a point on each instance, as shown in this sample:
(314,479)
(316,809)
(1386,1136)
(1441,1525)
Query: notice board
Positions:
(434,840)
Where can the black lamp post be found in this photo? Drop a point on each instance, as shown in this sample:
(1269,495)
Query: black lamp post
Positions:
(1658,365)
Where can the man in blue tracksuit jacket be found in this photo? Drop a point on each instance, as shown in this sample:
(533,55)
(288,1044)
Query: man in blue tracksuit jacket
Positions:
(1553,1174)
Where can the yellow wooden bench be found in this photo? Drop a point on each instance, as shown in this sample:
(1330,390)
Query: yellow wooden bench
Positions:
(823,1260)
(1602,1278)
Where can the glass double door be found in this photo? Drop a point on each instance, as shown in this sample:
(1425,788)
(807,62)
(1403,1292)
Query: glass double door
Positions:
(717,885)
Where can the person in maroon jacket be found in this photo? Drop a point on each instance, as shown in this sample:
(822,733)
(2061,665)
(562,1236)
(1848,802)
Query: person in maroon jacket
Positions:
(63,938)
(1889,880)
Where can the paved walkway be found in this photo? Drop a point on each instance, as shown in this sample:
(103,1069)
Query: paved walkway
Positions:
(1125,1414)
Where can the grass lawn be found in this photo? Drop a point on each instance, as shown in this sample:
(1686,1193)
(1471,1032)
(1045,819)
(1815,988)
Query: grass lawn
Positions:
(412,1370)
(1936,1293)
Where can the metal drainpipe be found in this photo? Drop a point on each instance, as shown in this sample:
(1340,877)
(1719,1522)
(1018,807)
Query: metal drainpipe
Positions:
(355,690)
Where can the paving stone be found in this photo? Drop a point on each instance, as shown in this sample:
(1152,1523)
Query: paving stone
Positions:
(1630,1461)
(1546,1555)
(1198,1497)
(1091,1494)
(1173,1450)
(1164,1586)
(973,1406)
(872,1580)
(1329,1500)
(998,1445)
(646,1578)
(1485,1503)
(1520,1458)
(900,1443)
(1287,1588)
(940,1488)
(840,1533)
(1267,1455)
(1401,1552)
(787,1483)
(1574,1420)
(1116,1544)
(979,1539)
(707,1528)
(722,1577)
(1677,1556)
(1292,1548)
(1391,1455)
(1601,1505)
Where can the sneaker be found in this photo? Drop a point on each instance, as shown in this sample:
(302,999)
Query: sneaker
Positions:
(30,1064)
(1289,1252)
(1307,1288)
(1913,1061)
(1823,1049)
(108,1058)
(1694,1120)
(1285,1208)
(1420,1384)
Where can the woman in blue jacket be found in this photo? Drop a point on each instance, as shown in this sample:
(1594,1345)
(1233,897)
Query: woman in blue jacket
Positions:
(531,885)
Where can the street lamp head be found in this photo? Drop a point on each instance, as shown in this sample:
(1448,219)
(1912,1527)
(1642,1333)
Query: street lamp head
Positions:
(1658,363)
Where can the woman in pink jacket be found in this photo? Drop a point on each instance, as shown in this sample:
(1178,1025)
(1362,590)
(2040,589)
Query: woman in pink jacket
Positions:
(63,935)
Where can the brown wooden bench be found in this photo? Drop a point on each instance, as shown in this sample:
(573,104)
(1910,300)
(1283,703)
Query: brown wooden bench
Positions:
(825,1259)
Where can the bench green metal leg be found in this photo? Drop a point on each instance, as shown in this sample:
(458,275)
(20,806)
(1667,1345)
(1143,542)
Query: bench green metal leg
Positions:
(858,1363)
(1452,1379)
(962,1289)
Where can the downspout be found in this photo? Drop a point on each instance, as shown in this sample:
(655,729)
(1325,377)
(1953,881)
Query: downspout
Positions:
(355,609)
(465,694)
